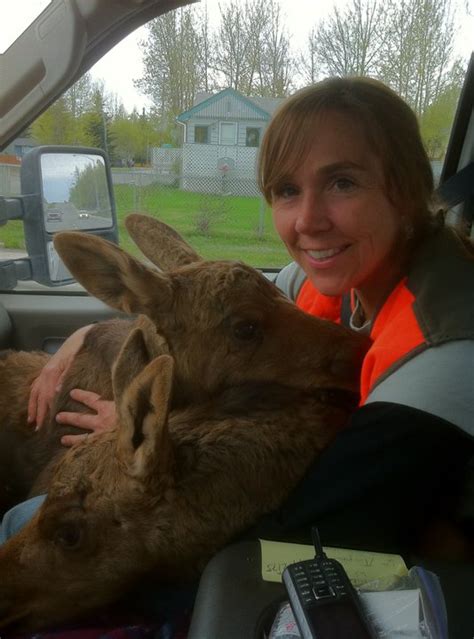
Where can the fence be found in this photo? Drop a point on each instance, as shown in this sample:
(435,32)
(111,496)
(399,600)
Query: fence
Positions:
(140,189)
(223,217)
(9,179)
(208,168)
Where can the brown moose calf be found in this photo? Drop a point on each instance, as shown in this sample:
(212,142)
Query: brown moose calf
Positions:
(210,437)
(226,325)
(159,494)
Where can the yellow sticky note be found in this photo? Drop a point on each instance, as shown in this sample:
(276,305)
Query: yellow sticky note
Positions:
(361,566)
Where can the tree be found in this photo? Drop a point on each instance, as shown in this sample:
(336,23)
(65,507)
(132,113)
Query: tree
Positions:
(79,97)
(253,49)
(417,57)
(55,126)
(89,190)
(96,124)
(171,61)
(123,129)
(134,135)
(277,66)
(250,52)
(78,100)
(348,41)
(232,47)
(309,60)
(437,119)
(205,50)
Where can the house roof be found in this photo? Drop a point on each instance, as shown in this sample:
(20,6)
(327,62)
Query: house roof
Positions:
(262,106)
(267,104)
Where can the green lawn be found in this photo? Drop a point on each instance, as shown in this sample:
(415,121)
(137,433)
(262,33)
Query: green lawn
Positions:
(218,227)
(11,235)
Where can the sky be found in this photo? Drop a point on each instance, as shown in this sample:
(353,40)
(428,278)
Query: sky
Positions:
(122,64)
(298,23)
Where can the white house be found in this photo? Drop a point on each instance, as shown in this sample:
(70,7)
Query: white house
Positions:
(222,133)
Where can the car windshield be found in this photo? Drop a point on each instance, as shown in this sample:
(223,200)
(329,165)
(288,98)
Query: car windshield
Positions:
(180,105)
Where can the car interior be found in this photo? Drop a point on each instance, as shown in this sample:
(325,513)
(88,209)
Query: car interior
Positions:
(232,601)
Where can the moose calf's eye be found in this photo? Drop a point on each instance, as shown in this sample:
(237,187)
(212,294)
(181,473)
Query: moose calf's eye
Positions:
(245,330)
(68,536)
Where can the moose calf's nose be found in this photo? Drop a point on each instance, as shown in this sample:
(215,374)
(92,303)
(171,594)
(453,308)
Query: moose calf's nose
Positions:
(348,360)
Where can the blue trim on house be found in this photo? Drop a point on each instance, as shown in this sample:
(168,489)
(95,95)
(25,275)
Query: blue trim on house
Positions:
(187,115)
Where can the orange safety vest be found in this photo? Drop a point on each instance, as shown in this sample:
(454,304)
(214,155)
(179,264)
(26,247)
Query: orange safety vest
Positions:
(432,305)
(395,333)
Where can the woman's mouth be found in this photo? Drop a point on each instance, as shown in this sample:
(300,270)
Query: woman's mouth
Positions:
(323,255)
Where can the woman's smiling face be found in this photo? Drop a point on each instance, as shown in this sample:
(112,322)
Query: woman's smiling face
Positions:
(335,216)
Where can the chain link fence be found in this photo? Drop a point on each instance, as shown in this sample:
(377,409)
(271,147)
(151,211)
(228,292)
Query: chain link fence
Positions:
(220,212)
(223,215)
(10,179)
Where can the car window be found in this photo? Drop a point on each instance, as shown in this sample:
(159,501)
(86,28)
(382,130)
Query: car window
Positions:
(181,105)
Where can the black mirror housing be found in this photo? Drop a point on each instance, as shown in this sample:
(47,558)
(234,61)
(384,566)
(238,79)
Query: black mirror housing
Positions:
(62,188)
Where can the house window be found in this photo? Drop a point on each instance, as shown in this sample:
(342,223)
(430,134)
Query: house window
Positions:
(201,134)
(252,137)
(228,133)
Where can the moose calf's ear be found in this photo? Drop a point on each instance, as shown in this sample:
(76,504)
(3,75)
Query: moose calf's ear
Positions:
(131,360)
(160,243)
(156,344)
(111,275)
(142,345)
(144,442)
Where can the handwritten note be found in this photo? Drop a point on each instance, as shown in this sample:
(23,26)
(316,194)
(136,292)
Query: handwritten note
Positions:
(361,566)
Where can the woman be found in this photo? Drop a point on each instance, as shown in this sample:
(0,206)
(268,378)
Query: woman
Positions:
(343,167)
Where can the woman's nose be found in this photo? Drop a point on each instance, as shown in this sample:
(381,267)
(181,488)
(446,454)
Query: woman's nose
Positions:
(312,216)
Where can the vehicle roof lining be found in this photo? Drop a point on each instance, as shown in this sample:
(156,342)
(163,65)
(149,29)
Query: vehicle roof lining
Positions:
(65,41)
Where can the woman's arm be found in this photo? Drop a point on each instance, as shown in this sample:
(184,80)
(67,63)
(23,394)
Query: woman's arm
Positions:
(48,382)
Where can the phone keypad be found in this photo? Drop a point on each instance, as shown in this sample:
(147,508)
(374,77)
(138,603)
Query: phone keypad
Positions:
(318,580)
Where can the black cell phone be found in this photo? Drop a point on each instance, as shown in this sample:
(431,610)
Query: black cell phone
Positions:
(324,601)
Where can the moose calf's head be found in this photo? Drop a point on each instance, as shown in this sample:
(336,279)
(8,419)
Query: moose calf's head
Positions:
(226,324)
(90,538)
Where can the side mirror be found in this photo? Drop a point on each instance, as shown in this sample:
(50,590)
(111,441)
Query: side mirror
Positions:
(62,188)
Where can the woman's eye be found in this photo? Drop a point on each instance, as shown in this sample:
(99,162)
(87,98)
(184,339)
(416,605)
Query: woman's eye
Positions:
(343,184)
(286,191)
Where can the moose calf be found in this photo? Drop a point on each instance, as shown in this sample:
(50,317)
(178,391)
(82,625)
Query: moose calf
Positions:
(211,435)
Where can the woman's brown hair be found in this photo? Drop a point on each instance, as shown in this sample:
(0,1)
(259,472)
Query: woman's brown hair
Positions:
(388,122)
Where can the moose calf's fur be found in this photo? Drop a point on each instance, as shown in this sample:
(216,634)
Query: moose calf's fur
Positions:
(25,452)
(212,434)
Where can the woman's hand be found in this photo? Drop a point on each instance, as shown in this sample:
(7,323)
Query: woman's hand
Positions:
(48,382)
(103,420)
